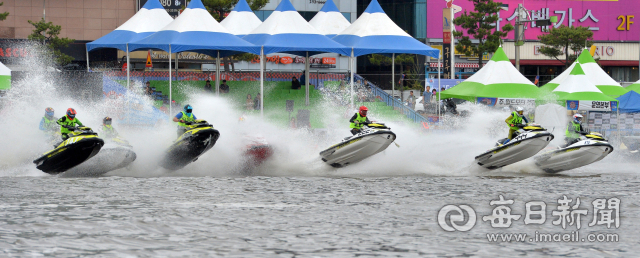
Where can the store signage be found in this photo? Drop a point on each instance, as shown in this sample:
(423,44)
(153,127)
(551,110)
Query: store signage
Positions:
(289,60)
(173,7)
(329,60)
(600,50)
(610,20)
(13,52)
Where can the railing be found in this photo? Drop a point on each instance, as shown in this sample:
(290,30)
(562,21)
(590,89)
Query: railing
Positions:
(395,103)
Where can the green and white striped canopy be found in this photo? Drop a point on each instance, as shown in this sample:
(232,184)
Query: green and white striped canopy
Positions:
(5,77)
(577,86)
(634,87)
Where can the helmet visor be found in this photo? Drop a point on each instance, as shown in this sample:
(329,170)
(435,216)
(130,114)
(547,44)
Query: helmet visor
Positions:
(520,112)
(189,110)
(108,122)
(50,113)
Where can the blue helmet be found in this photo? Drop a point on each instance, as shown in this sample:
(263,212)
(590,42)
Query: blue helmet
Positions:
(49,112)
(188,109)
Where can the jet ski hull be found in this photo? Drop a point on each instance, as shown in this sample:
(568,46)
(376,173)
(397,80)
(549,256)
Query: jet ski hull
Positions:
(257,154)
(68,155)
(189,147)
(574,156)
(111,157)
(358,148)
(514,151)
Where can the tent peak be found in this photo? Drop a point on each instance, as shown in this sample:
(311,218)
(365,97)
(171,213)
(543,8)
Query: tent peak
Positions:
(577,70)
(374,7)
(242,6)
(499,55)
(329,6)
(285,6)
(152,4)
(196,4)
(585,57)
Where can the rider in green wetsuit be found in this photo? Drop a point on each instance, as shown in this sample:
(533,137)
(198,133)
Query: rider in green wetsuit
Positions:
(358,120)
(68,123)
(183,117)
(515,122)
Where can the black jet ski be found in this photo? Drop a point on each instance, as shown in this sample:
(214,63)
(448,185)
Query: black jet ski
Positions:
(116,153)
(529,140)
(373,138)
(199,138)
(81,145)
(590,148)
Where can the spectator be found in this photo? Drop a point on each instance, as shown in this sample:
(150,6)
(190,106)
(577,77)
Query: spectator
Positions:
(249,102)
(295,84)
(303,78)
(224,88)
(207,87)
(442,89)
(426,97)
(292,122)
(147,90)
(411,100)
(256,102)
(434,96)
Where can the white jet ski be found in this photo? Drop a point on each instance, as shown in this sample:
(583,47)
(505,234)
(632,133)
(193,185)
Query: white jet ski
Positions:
(530,139)
(591,147)
(373,138)
(115,154)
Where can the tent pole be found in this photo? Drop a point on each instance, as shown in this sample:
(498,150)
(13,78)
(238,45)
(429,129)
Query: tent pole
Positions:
(393,77)
(170,96)
(177,55)
(218,74)
(439,58)
(261,81)
(306,81)
(351,65)
(128,76)
(87,49)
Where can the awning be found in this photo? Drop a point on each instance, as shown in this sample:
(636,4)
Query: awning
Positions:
(458,65)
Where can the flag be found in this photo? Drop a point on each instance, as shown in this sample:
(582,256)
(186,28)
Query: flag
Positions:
(536,80)
(149,63)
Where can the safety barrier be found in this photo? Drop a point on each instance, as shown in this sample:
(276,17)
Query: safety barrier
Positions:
(390,101)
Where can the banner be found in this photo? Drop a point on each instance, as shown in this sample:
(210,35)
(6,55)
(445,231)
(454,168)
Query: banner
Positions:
(508,102)
(592,105)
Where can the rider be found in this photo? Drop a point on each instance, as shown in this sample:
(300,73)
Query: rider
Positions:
(574,129)
(107,129)
(358,120)
(515,121)
(183,117)
(68,123)
(47,123)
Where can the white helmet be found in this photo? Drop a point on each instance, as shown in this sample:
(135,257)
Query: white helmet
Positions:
(520,111)
(577,118)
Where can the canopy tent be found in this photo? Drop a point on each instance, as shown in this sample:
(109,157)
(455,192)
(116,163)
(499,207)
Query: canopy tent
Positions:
(374,32)
(629,102)
(5,77)
(197,31)
(149,19)
(594,73)
(329,21)
(497,79)
(285,31)
(577,86)
(241,20)
(634,87)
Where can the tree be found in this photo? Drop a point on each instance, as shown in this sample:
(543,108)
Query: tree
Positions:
(3,16)
(481,25)
(412,70)
(47,33)
(218,9)
(561,39)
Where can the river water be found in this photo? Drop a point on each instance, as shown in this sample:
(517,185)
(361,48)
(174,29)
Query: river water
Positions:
(304,216)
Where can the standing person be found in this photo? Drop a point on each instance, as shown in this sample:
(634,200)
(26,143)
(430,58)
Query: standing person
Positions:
(434,96)
(295,84)
(185,116)
(256,102)
(515,122)
(224,88)
(411,100)
(47,123)
(207,87)
(68,123)
(358,120)
(303,78)
(426,97)
(249,102)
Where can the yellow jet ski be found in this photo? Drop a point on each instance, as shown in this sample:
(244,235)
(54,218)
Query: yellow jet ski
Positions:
(199,138)
(81,145)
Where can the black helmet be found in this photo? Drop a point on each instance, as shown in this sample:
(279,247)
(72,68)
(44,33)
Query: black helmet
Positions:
(106,121)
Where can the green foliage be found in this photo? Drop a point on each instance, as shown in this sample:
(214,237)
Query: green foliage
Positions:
(377,59)
(563,37)
(3,16)
(481,25)
(218,8)
(47,33)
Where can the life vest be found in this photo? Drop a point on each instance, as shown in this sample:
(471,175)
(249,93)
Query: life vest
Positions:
(515,119)
(48,124)
(360,119)
(108,130)
(572,128)
(65,120)
(186,118)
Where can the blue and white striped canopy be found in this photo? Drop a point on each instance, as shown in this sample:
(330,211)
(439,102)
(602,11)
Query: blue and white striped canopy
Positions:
(150,18)
(329,21)
(195,30)
(375,32)
(285,31)
(241,21)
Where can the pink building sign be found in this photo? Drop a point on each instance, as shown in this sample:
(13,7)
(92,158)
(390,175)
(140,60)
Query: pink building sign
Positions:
(610,20)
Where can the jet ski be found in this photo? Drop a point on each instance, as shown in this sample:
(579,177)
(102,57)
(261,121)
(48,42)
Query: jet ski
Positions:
(529,140)
(590,148)
(373,138)
(199,138)
(630,148)
(116,153)
(257,150)
(81,145)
